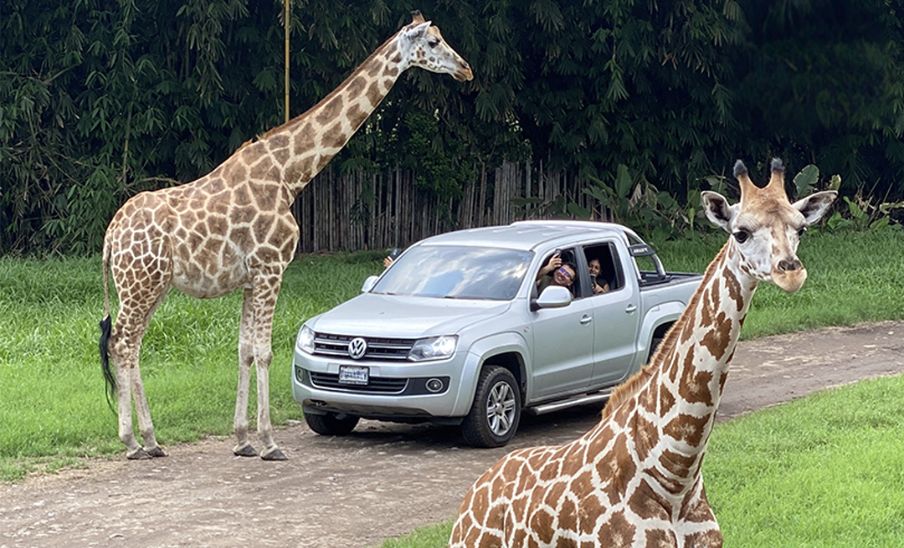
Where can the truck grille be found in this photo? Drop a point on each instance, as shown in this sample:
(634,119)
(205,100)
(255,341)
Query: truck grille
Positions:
(378,349)
(381,385)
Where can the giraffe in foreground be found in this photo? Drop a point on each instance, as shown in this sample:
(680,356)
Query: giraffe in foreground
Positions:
(635,479)
(233,228)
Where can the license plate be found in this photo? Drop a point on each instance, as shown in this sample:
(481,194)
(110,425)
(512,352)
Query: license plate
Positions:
(351,374)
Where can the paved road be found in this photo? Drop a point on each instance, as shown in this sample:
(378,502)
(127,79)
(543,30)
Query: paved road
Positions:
(380,482)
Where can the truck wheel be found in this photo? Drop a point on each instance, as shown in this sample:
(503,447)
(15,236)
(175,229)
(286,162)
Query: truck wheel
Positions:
(496,411)
(331,424)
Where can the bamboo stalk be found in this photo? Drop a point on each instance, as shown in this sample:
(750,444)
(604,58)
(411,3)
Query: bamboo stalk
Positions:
(286,22)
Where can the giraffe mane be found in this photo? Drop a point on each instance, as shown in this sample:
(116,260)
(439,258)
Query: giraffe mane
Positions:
(666,348)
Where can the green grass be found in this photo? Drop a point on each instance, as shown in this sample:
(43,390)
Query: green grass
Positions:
(852,277)
(52,406)
(827,470)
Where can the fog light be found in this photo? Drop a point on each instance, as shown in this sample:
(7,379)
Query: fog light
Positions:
(434,385)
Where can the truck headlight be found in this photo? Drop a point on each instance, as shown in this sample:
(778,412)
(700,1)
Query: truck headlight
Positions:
(434,348)
(306,339)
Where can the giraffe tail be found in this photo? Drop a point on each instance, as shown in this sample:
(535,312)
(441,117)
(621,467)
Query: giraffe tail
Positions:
(105,330)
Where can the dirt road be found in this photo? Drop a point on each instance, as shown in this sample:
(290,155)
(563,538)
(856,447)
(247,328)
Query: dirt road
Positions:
(380,482)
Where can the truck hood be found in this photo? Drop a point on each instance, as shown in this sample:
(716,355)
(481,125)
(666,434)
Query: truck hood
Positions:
(394,316)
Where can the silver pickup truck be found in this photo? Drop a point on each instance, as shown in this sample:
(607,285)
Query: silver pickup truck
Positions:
(456,332)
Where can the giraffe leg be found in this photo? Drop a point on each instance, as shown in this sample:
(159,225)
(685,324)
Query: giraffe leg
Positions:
(126,346)
(265,292)
(140,291)
(124,399)
(246,357)
(145,425)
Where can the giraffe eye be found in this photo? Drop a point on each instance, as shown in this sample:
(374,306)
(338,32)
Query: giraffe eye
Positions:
(801,231)
(741,236)
(433,43)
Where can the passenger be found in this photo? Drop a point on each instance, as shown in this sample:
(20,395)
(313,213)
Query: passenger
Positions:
(595,269)
(393,255)
(563,274)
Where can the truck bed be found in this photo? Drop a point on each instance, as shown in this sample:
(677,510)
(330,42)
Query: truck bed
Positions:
(650,279)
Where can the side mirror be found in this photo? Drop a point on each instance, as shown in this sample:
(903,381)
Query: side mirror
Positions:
(553,296)
(369,283)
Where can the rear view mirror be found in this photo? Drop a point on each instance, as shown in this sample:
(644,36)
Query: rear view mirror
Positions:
(369,283)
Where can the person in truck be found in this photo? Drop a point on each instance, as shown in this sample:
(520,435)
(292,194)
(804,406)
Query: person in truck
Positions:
(556,272)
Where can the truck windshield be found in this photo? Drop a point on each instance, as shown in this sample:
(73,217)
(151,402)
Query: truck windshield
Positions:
(456,272)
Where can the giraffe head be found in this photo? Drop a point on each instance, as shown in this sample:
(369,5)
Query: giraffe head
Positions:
(423,46)
(766,227)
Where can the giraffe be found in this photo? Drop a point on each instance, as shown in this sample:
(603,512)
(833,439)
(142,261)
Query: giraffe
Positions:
(635,478)
(233,228)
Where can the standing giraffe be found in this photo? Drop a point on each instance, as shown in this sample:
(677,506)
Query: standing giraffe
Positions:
(635,479)
(234,228)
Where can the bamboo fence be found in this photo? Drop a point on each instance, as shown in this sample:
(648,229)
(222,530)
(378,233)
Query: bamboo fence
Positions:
(358,210)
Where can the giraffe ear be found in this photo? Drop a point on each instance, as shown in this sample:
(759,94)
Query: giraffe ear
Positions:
(717,209)
(815,205)
(414,32)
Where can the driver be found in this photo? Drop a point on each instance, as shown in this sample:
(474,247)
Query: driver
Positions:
(563,274)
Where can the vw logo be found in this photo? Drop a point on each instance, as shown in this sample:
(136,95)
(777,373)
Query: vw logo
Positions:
(357,348)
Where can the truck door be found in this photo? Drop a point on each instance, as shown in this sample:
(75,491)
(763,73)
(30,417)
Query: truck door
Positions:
(563,343)
(615,315)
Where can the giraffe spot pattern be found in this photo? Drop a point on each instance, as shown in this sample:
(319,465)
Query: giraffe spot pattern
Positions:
(716,340)
(330,110)
(703,539)
(646,502)
(617,531)
(687,428)
(676,463)
(695,385)
(660,538)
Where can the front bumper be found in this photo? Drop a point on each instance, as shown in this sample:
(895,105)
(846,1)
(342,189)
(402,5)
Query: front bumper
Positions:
(396,391)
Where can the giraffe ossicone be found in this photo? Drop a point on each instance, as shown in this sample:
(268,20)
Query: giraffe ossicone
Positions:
(635,479)
(233,228)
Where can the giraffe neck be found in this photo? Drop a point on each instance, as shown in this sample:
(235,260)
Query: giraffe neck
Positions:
(312,139)
(677,405)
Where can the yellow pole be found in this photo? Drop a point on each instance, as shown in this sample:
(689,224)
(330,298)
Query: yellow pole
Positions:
(286,21)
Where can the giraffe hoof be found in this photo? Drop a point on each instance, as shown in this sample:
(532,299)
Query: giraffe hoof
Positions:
(138,454)
(274,454)
(155,451)
(244,451)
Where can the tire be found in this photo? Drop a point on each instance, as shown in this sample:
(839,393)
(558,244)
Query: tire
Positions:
(331,424)
(496,411)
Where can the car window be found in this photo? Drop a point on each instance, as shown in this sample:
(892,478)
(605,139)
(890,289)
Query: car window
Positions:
(456,272)
(602,260)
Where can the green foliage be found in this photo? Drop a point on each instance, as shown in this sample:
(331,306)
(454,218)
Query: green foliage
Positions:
(634,201)
(805,181)
(101,100)
(860,214)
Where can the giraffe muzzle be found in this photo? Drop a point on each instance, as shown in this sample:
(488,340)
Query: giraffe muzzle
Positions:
(790,280)
(464,73)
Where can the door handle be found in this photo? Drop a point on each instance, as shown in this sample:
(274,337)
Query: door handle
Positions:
(630,308)
(586,319)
